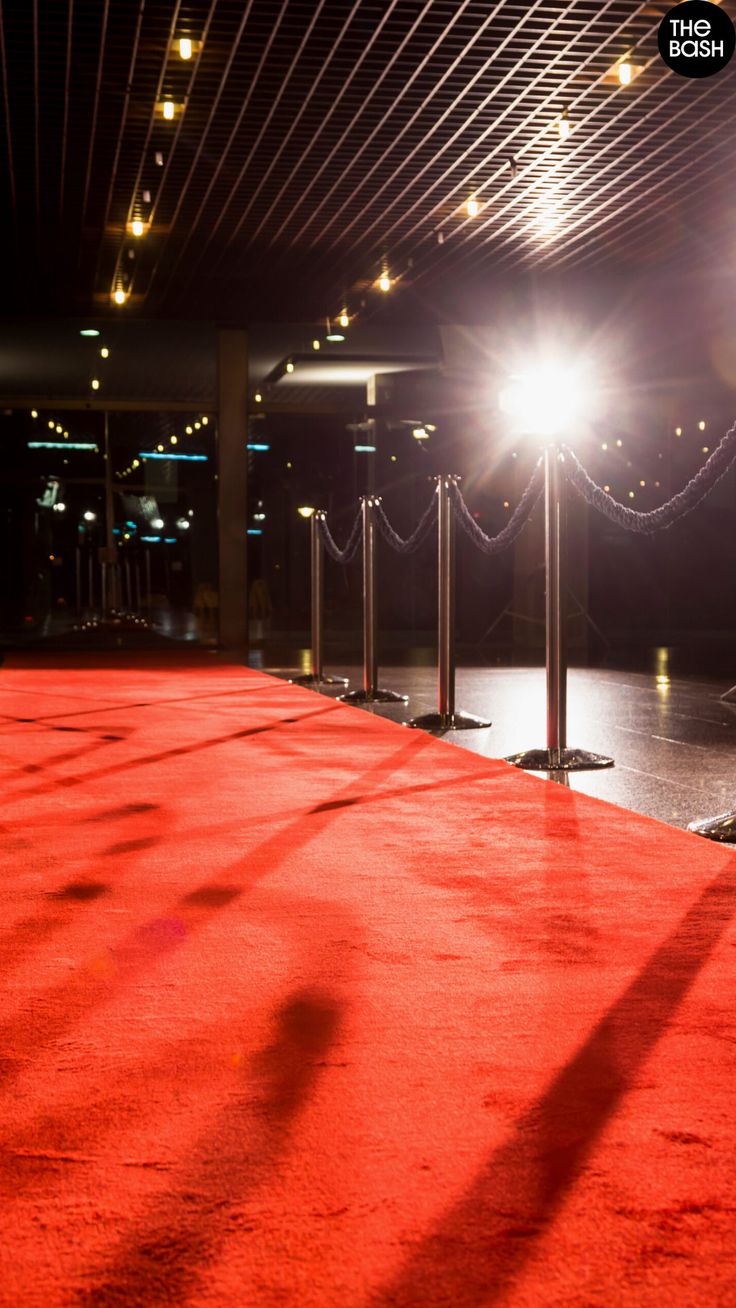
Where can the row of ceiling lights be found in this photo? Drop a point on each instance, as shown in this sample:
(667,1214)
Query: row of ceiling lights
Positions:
(172,440)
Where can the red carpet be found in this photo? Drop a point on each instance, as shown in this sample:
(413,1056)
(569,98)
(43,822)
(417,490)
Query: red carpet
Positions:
(301,1008)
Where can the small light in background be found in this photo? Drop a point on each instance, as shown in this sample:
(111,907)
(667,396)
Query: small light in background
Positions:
(315,344)
(344,320)
(257,397)
(625,72)
(384,283)
(197,426)
(160,449)
(205,420)
(34,414)
(701,425)
(59,428)
(678,431)
(619,444)
(89,331)
(706,449)
(188,431)
(119,295)
(472,207)
(185,48)
(174,440)
(167,109)
(95,384)
(89,516)
(136,227)
(289,366)
(420,434)
(104,352)
(306,510)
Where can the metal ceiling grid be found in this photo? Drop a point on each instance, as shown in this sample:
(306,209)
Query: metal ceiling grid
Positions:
(315,141)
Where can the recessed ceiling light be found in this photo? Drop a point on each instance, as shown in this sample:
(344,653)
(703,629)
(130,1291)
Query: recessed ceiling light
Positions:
(472,208)
(185,47)
(89,331)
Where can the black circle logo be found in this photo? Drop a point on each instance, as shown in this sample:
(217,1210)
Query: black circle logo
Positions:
(696,39)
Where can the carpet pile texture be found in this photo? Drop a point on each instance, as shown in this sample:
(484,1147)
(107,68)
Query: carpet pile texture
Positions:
(302,1008)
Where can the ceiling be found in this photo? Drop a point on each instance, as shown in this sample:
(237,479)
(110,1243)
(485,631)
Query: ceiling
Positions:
(317,143)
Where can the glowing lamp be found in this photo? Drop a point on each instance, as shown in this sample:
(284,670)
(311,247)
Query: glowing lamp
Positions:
(544,402)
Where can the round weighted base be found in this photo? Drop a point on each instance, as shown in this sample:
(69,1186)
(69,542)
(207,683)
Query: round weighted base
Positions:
(310,680)
(447,722)
(374,697)
(721,828)
(559,760)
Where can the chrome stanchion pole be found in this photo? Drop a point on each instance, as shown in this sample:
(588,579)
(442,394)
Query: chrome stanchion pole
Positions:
(721,828)
(316,553)
(79,580)
(148,582)
(371,693)
(90,581)
(446,718)
(557,756)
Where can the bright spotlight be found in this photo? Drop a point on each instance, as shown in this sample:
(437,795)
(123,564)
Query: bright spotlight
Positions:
(545,402)
(306,511)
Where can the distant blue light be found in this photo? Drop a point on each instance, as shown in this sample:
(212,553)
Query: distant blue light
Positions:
(150,538)
(258,447)
(133,525)
(255,531)
(364,449)
(61,445)
(190,458)
(116,531)
(169,540)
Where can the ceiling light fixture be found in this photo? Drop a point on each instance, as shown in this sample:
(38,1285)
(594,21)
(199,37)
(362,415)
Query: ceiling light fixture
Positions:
(344,319)
(185,47)
(472,207)
(119,296)
(625,72)
(564,126)
(384,283)
(167,109)
(89,331)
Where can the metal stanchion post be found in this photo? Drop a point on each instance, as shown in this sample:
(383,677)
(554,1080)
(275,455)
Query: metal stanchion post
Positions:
(556,756)
(446,718)
(90,581)
(316,553)
(370,694)
(79,580)
(148,581)
(128,589)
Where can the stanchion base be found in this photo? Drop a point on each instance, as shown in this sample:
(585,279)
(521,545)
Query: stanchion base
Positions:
(374,697)
(448,722)
(309,680)
(721,828)
(559,760)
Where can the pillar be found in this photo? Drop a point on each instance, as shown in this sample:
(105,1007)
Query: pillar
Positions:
(232,485)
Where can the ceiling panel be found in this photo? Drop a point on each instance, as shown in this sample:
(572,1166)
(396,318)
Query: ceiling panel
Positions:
(315,142)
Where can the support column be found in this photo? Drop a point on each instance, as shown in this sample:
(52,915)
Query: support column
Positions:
(232,485)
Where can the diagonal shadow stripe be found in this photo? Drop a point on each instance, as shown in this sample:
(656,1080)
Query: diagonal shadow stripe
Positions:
(475,1250)
(162,1259)
(64,1006)
(177,752)
(135,704)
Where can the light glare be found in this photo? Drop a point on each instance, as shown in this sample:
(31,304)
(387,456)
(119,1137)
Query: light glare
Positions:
(545,402)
